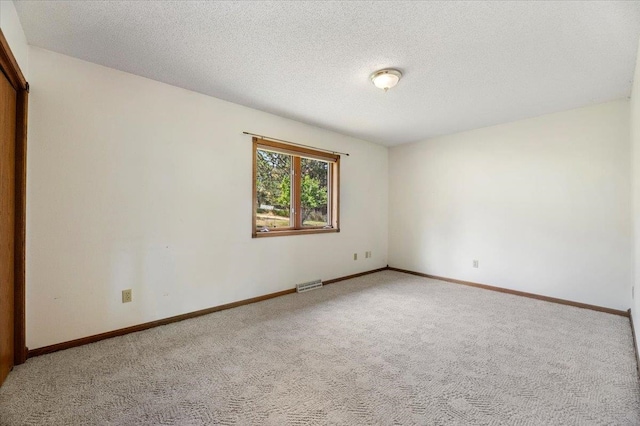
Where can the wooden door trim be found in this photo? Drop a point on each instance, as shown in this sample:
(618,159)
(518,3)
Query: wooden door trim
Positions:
(10,68)
(19,291)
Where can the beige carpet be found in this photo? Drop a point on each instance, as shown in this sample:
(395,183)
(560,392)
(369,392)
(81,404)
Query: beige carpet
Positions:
(387,348)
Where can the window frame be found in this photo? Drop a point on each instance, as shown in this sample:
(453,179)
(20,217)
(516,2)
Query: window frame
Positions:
(333,184)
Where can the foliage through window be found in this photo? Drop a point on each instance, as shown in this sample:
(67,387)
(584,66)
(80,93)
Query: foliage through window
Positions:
(295,190)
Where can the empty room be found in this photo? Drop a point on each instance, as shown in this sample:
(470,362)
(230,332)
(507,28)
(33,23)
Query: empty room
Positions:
(319,213)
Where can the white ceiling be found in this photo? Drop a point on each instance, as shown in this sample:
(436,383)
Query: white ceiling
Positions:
(466,64)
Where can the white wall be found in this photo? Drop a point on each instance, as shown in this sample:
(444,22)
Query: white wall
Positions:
(635,168)
(137,184)
(542,203)
(12,30)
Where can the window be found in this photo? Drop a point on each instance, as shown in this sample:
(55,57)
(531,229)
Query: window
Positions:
(295,190)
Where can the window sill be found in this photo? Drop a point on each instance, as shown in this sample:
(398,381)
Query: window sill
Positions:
(294,232)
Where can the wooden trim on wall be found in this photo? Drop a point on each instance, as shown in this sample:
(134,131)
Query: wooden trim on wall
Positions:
(348,277)
(122,331)
(335,205)
(19,291)
(140,327)
(10,68)
(296,193)
(291,231)
(635,342)
(517,293)
(254,194)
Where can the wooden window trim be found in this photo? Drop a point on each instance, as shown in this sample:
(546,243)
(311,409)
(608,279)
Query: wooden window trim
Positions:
(296,153)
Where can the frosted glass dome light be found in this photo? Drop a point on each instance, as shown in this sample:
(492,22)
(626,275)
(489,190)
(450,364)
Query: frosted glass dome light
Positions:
(386,79)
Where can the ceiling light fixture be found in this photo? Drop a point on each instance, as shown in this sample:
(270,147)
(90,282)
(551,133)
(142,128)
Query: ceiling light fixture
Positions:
(385,79)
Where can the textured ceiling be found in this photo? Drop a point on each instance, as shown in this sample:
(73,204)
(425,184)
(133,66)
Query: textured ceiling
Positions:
(466,64)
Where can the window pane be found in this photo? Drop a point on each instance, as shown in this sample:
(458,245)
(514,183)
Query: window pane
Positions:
(314,192)
(273,189)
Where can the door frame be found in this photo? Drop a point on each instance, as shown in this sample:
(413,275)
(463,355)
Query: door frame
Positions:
(10,68)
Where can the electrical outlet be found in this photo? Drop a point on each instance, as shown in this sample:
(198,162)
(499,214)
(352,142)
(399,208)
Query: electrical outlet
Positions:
(126,296)
(368,255)
(355,256)
(476,263)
